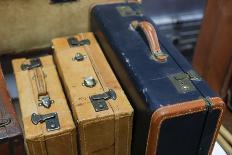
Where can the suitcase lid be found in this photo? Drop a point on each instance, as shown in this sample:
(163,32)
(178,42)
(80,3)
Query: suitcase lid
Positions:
(159,83)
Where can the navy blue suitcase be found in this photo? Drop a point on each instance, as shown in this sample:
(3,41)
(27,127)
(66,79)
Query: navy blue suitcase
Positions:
(175,110)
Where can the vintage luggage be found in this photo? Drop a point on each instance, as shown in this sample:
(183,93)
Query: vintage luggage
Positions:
(11,136)
(47,120)
(99,105)
(175,110)
(213,56)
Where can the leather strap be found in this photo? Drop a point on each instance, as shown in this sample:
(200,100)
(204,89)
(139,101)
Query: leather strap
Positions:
(152,39)
(40,81)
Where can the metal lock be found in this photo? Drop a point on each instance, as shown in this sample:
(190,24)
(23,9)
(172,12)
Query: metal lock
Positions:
(73,42)
(182,82)
(34,63)
(99,101)
(4,122)
(89,82)
(51,120)
(79,57)
(45,101)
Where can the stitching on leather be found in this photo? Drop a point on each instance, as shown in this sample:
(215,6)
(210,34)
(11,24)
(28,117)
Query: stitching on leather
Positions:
(101,81)
(217,129)
(33,93)
(180,114)
(168,117)
(84,137)
(129,134)
(71,140)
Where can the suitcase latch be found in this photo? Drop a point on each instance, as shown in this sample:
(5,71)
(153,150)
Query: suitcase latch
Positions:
(4,122)
(34,63)
(182,83)
(45,101)
(99,101)
(73,42)
(51,120)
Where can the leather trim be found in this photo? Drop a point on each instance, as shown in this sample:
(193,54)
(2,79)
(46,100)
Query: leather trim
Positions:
(176,110)
(218,104)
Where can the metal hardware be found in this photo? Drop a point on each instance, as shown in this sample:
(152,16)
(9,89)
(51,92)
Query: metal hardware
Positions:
(4,122)
(208,102)
(89,82)
(51,120)
(79,57)
(194,76)
(126,11)
(157,54)
(182,83)
(99,101)
(60,1)
(73,42)
(45,101)
(34,63)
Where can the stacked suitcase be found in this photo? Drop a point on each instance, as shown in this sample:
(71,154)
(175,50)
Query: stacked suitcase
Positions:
(47,120)
(11,136)
(178,111)
(100,108)
(137,95)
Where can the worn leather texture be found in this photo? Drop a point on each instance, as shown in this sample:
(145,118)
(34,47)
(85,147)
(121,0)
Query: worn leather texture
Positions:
(100,132)
(213,56)
(39,140)
(11,136)
(31,24)
(157,102)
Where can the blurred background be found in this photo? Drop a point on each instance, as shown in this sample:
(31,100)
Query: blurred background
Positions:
(179,21)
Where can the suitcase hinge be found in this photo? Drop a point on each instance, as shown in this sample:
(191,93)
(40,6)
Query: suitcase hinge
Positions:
(73,42)
(4,122)
(99,101)
(45,101)
(51,120)
(34,63)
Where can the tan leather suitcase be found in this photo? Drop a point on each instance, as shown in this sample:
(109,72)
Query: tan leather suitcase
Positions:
(48,124)
(101,110)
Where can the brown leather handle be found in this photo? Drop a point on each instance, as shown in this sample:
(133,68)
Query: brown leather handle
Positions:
(152,39)
(39,78)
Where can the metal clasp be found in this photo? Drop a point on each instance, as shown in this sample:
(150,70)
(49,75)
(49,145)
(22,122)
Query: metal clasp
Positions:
(51,120)
(182,82)
(4,122)
(73,42)
(45,101)
(99,101)
(34,63)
